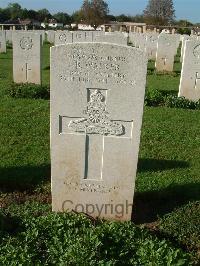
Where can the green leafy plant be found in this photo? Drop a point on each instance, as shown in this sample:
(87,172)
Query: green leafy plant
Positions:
(28,90)
(48,238)
(153,97)
(180,102)
(183,224)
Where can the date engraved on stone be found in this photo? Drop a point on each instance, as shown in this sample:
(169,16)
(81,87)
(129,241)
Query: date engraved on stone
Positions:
(89,187)
(97,120)
(26,43)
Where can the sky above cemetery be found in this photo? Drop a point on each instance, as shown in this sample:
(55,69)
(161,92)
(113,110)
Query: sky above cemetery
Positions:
(185,9)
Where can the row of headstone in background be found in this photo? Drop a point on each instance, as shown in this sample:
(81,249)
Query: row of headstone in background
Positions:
(146,42)
(2,42)
(64,37)
(27,57)
(9,34)
(97,98)
(27,60)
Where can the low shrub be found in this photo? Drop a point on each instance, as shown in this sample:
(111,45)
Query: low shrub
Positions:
(155,97)
(48,238)
(28,90)
(184,225)
(173,101)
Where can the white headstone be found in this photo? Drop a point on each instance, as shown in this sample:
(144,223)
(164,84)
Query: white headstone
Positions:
(184,39)
(51,36)
(82,36)
(9,36)
(63,37)
(42,32)
(190,75)
(151,45)
(27,57)
(97,97)
(119,39)
(2,42)
(166,50)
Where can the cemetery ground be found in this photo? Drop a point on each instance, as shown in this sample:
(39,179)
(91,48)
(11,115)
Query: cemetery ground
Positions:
(165,228)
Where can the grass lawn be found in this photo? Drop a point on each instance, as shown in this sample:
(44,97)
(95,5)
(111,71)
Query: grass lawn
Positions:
(167,188)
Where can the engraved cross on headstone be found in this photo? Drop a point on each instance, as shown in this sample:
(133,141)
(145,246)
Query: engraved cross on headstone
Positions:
(27,69)
(96,126)
(197,81)
(164,60)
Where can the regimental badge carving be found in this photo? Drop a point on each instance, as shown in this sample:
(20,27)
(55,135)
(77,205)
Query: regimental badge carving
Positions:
(97,120)
(196,51)
(63,37)
(26,43)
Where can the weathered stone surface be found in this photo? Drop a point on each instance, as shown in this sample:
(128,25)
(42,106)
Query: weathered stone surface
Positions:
(51,36)
(2,42)
(151,45)
(190,75)
(82,36)
(27,57)
(97,97)
(166,50)
(9,36)
(112,38)
(63,37)
(184,39)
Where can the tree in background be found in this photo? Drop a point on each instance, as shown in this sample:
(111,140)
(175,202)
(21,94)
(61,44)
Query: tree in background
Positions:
(43,15)
(15,10)
(94,12)
(159,12)
(29,14)
(77,16)
(63,18)
(4,14)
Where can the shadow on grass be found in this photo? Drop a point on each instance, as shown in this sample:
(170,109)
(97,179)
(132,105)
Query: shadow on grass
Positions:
(149,205)
(155,165)
(23,178)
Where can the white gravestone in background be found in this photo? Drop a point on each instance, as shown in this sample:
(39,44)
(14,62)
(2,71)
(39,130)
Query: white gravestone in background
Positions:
(2,42)
(112,38)
(134,38)
(51,36)
(82,36)
(63,37)
(166,50)
(151,45)
(190,75)
(97,98)
(9,36)
(27,57)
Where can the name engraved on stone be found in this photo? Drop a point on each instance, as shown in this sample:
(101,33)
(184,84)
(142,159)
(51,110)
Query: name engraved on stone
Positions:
(107,69)
(26,43)
(97,120)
